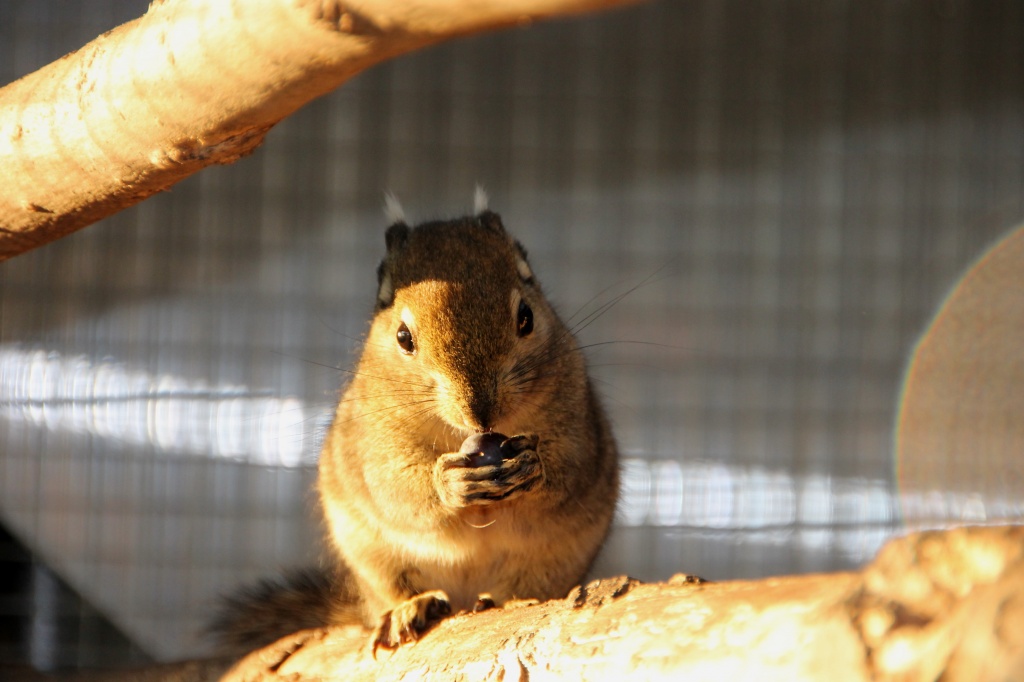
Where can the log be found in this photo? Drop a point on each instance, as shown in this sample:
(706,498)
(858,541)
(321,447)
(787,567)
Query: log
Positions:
(194,83)
(938,604)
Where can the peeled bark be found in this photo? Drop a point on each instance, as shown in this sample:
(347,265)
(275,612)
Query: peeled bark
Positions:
(194,83)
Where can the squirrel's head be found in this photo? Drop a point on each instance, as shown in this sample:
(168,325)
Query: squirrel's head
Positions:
(459,311)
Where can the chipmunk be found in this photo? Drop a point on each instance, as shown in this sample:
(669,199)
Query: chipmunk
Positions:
(463,345)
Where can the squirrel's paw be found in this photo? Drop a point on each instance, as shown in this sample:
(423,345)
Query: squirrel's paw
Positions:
(484,602)
(410,619)
(459,484)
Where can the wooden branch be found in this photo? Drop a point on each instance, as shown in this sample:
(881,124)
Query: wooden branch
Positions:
(943,605)
(194,83)
(947,604)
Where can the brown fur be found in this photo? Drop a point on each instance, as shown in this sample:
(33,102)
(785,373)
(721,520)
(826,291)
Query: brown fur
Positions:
(418,533)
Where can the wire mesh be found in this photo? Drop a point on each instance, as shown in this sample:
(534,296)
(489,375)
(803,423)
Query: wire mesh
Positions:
(782,192)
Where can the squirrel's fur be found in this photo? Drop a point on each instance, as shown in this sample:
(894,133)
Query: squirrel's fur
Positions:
(462,341)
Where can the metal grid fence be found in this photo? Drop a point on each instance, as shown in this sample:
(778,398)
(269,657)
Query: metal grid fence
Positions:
(786,189)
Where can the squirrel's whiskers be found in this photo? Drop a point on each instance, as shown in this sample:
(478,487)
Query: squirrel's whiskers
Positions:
(427,504)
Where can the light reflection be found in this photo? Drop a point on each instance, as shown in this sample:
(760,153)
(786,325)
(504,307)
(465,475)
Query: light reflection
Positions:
(173,415)
(710,495)
(665,508)
(168,413)
(815,500)
(636,491)
(714,496)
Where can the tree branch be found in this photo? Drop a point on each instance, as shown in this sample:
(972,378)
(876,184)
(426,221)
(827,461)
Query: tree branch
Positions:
(194,83)
(938,604)
(943,605)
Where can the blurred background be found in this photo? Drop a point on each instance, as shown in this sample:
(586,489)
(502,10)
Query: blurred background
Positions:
(781,198)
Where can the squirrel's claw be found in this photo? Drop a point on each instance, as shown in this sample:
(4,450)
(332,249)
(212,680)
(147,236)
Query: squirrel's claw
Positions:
(410,619)
(517,444)
(460,486)
(484,602)
(516,475)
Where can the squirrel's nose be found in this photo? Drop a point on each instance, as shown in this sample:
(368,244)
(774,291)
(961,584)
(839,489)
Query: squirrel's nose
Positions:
(481,411)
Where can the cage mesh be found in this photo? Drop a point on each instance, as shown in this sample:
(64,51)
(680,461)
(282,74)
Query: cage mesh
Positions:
(760,205)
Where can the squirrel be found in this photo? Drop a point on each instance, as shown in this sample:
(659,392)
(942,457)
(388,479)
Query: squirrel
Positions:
(463,346)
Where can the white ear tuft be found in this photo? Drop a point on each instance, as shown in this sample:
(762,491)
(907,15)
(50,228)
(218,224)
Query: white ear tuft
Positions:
(386,291)
(393,210)
(525,273)
(480,200)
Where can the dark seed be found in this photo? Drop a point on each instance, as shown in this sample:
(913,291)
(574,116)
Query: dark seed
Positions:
(483,449)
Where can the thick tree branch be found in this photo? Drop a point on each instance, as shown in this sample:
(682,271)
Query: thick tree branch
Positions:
(943,605)
(938,604)
(194,83)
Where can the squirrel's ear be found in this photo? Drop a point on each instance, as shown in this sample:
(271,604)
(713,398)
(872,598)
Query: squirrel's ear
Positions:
(385,287)
(491,221)
(396,236)
(525,272)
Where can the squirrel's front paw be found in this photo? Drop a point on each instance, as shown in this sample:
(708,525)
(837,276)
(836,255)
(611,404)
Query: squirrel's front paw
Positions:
(461,482)
(410,619)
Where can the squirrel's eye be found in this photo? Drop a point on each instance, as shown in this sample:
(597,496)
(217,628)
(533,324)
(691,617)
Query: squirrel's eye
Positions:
(404,337)
(524,319)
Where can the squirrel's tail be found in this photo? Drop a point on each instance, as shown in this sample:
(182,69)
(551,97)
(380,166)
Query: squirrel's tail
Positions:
(262,613)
